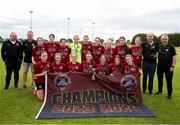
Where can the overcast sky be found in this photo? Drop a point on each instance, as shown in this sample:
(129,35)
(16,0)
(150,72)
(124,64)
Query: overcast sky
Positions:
(113,18)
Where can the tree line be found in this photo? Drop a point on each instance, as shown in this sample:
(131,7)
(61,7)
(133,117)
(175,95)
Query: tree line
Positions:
(174,39)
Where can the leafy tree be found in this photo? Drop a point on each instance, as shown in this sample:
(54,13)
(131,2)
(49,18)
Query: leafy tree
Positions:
(143,37)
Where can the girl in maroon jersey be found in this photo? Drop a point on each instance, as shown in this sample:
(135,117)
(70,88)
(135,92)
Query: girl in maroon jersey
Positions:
(52,47)
(116,67)
(136,52)
(88,64)
(129,66)
(58,66)
(37,50)
(103,68)
(121,48)
(40,70)
(97,50)
(73,66)
(109,52)
(65,51)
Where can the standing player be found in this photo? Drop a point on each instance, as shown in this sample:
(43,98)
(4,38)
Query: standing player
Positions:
(76,47)
(136,52)
(37,50)
(40,70)
(109,52)
(86,47)
(65,51)
(121,49)
(52,47)
(97,50)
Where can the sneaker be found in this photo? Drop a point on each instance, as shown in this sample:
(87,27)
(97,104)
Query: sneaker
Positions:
(144,91)
(169,97)
(24,87)
(16,88)
(150,93)
(5,88)
(158,93)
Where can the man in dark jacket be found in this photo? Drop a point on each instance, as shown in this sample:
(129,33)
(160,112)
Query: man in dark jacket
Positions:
(150,49)
(12,54)
(166,64)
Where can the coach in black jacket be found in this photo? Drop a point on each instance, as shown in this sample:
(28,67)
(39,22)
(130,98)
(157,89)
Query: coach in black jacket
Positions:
(12,54)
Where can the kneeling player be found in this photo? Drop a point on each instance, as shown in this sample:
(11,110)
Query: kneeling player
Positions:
(88,64)
(103,68)
(58,66)
(129,66)
(40,70)
(73,66)
(116,67)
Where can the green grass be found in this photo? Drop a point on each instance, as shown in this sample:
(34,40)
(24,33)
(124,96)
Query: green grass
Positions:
(17,106)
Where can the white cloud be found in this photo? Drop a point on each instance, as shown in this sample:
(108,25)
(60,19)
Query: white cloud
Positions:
(112,18)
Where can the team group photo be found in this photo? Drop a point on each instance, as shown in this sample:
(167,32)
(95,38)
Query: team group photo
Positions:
(62,75)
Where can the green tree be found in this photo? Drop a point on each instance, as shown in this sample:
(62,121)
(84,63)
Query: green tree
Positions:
(69,40)
(143,37)
(174,38)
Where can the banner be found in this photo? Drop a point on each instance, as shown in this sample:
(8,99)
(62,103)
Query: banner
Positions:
(75,94)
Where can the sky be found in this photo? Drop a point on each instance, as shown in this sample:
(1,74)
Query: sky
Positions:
(112,18)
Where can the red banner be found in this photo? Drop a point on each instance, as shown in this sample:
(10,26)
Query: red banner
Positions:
(75,94)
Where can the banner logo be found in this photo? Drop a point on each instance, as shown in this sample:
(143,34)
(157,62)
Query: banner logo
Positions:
(128,82)
(62,81)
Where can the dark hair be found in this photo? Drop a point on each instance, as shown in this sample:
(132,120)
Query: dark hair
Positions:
(122,37)
(117,56)
(39,38)
(86,36)
(30,32)
(138,37)
(98,38)
(62,40)
(52,35)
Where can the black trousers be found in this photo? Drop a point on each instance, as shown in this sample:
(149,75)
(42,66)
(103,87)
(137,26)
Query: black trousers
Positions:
(13,66)
(168,75)
(148,70)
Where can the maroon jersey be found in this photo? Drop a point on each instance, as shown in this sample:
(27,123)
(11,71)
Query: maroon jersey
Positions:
(40,67)
(87,67)
(57,68)
(136,53)
(85,48)
(110,55)
(97,51)
(73,67)
(51,49)
(102,69)
(121,51)
(65,52)
(130,68)
(115,69)
(37,51)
